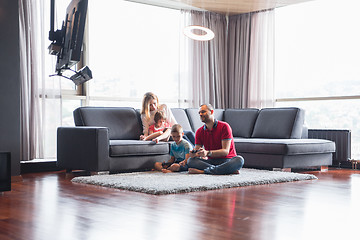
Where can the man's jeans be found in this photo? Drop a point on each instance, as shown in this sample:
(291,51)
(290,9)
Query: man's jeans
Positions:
(218,166)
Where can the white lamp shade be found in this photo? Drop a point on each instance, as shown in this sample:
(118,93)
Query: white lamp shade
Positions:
(188,31)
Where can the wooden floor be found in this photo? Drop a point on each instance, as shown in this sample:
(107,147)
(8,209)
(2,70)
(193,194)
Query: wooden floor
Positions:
(49,206)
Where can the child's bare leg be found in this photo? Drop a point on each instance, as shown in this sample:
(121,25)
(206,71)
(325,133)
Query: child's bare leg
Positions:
(158,166)
(175,167)
(153,135)
(164,137)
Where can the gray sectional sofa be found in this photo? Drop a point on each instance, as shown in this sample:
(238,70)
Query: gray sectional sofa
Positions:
(106,139)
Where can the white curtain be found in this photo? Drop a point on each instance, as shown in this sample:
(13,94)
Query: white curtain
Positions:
(261,62)
(36,86)
(30,62)
(206,60)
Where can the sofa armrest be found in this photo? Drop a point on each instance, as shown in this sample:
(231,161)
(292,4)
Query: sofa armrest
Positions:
(83,148)
(305,132)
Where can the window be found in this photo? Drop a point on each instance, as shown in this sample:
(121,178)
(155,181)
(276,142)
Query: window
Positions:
(316,63)
(133,49)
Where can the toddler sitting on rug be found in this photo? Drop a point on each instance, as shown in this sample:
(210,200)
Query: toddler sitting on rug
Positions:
(179,152)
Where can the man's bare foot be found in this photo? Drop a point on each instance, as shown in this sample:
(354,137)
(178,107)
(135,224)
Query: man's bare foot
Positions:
(195,171)
(166,171)
(236,172)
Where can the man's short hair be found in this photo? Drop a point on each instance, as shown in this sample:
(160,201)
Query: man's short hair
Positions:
(176,128)
(159,115)
(208,105)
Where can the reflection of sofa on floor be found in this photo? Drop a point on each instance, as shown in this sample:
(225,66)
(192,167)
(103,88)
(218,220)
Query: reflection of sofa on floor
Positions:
(106,139)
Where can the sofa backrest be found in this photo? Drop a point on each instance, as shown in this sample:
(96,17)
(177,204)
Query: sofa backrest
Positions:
(194,118)
(182,118)
(279,123)
(241,121)
(123,122)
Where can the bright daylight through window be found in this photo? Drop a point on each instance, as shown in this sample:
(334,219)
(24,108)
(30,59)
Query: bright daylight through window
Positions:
(133,49)
(317,55)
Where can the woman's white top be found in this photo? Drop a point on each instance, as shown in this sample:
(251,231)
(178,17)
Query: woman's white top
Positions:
(170,119)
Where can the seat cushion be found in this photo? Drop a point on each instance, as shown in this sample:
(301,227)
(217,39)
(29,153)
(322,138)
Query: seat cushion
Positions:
(279,123)
(241,121)
(137,148)
(283,146)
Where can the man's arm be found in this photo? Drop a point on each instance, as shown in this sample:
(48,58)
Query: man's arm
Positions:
(224,151)
(196,148)
(226,138)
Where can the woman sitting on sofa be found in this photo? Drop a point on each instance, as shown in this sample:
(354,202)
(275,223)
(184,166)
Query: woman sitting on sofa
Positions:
(150,105)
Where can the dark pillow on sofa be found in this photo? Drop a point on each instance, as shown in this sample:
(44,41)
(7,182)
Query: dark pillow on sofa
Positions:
(241,121)
(279,123)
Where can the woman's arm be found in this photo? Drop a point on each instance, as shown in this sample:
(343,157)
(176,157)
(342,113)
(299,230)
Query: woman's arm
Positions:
(169,115)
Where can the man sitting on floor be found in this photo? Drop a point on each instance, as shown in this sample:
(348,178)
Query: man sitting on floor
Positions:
(214,151)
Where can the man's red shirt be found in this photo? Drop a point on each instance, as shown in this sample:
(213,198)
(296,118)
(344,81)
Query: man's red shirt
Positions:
(211,139)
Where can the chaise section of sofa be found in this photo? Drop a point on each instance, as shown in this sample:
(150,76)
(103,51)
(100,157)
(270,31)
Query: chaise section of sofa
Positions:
(272,138)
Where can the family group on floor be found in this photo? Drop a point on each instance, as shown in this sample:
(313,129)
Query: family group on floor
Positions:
(210,151)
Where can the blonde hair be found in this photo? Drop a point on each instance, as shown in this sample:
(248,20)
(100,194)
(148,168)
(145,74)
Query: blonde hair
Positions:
(159,115)
(176,128)
(145,103)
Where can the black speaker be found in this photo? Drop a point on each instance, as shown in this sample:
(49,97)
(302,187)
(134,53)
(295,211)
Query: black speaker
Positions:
(5,171)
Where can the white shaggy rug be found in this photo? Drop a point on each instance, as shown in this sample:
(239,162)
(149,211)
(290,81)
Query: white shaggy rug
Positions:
(167,183)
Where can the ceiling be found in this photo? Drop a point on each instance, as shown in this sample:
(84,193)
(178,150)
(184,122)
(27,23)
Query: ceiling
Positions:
(227,7)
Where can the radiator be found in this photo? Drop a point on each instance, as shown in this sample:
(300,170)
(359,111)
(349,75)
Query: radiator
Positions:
(342,139)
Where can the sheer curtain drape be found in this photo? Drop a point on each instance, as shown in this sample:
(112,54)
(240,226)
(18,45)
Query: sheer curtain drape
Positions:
(235,69)
(36,86)
(206,60)
(30,62)
(261,62)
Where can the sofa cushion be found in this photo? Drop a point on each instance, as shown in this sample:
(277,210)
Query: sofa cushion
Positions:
(194,118)
(181,118)
(279,123)
(241,121)
(137,148)
(283,146)
(123,122)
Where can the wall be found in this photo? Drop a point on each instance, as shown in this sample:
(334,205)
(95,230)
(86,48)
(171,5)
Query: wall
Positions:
(10,83)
